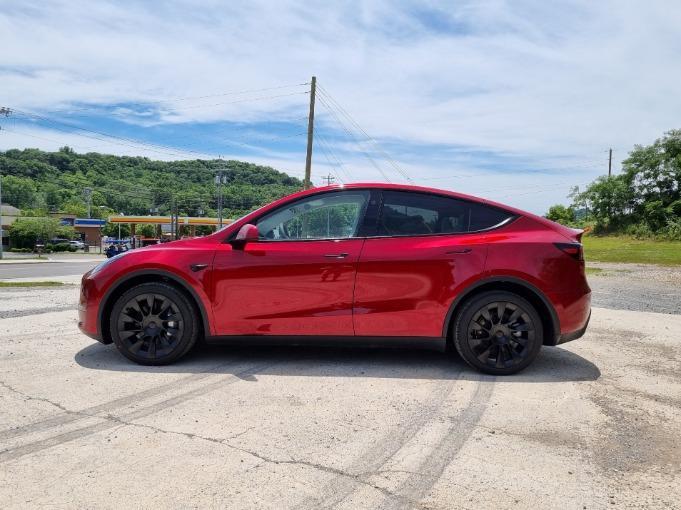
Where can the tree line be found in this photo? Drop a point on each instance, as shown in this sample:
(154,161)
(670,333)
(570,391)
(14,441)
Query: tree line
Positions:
(40,182)
(644,200)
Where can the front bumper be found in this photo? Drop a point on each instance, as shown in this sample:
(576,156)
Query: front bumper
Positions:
(88,309)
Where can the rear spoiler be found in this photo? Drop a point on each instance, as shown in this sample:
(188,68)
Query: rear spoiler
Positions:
(578,233)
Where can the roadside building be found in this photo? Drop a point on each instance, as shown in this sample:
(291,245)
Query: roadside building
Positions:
(9,216)
(89,230)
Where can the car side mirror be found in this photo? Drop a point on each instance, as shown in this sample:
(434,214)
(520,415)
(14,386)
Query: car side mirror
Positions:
(247,232)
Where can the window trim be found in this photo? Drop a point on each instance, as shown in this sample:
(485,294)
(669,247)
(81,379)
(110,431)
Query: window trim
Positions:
(511,216)
(360,221)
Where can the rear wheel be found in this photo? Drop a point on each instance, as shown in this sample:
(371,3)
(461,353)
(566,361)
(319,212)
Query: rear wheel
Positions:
(498,332)
(153,324)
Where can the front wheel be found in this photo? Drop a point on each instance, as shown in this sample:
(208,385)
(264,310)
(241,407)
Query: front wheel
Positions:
(498,332)
(153,324)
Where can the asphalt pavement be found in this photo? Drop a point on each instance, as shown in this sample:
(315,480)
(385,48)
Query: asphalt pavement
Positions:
(43,270)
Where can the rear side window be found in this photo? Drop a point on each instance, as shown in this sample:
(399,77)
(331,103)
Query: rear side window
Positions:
(409,214)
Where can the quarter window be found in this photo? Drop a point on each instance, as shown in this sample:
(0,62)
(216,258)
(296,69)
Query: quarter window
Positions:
(408,214)
(328,216)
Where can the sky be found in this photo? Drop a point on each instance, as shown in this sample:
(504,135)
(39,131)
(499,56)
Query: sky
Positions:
(516,101)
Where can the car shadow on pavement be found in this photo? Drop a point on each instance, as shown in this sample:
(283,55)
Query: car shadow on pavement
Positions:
(553,364)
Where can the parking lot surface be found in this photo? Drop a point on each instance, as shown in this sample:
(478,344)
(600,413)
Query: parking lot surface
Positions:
(592,424)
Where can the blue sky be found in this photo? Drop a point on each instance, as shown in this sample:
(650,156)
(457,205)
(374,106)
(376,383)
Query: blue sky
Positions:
(515,101)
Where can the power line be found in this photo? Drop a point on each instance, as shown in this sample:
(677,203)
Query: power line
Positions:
(326,146)
(123,141)
(328,159)
(239,101)
(365,153)
(356,124)
(178,99)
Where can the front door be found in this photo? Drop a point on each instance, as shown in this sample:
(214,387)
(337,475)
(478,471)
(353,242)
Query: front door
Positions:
(298,278)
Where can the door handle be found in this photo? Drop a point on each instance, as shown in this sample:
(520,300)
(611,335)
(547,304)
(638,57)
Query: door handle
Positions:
(336,255)
(459,250)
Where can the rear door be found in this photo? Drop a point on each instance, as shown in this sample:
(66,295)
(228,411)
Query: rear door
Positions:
(298,278)
(425,249)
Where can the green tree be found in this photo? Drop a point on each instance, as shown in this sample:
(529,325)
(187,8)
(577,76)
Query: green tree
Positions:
(561,214)
(609,199)
(138,186)
(112,229)
(146,230)
(18,191)
(25,232)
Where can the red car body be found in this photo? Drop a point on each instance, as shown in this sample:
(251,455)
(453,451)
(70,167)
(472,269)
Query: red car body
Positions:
(363,286)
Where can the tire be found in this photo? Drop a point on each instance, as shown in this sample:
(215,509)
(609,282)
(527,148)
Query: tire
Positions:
(153,324)
(494,346)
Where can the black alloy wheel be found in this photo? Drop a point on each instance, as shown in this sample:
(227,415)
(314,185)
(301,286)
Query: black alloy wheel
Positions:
(498,333)
(153,324)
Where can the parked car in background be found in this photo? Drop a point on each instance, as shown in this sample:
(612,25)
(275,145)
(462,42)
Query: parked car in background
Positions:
(362,261)
(80,245)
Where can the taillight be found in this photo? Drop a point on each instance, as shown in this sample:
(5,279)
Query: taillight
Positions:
(575,250)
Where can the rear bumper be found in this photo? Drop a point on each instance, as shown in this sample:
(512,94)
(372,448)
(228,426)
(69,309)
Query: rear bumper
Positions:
(574,335)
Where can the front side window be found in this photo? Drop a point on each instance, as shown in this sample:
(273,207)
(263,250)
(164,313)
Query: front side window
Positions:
(409,214)
(328,216)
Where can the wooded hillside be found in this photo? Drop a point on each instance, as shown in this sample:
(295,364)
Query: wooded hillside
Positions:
(39,182)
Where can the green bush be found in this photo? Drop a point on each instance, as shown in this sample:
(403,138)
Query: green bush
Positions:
(61,247)
(674,208)
(639,231)
(26,232)
(673,230)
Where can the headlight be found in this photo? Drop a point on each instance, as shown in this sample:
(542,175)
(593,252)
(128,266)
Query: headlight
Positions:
(102,265)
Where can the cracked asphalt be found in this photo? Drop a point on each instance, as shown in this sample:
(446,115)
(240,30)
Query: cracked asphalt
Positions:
(592,424)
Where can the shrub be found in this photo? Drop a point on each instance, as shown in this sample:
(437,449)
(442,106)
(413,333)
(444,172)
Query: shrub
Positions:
(26,232)
(673,230)
(639,231)
(61,247)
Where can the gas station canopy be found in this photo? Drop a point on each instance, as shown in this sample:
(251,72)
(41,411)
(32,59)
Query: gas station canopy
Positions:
(166,220)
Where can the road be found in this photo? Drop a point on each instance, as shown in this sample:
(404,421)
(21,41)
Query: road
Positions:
(41,270)
(592,424)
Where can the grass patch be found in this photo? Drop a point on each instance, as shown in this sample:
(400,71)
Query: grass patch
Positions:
(626,249)
(30,284)
(593,270)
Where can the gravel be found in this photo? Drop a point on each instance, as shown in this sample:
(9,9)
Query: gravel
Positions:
(636,287)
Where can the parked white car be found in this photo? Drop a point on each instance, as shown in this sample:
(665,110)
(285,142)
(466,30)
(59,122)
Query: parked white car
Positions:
(78,244)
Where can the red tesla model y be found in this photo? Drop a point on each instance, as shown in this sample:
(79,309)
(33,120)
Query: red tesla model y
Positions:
(362,261)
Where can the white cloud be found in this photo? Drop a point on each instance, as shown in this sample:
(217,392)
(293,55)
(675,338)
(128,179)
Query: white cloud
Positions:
(536,84)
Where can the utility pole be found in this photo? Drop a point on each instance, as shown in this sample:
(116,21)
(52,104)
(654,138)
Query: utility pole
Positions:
(307,183)
(329,179)
(610,163)
(88,198)
(5,112)
(219,178)
(2,233)
(177,221)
